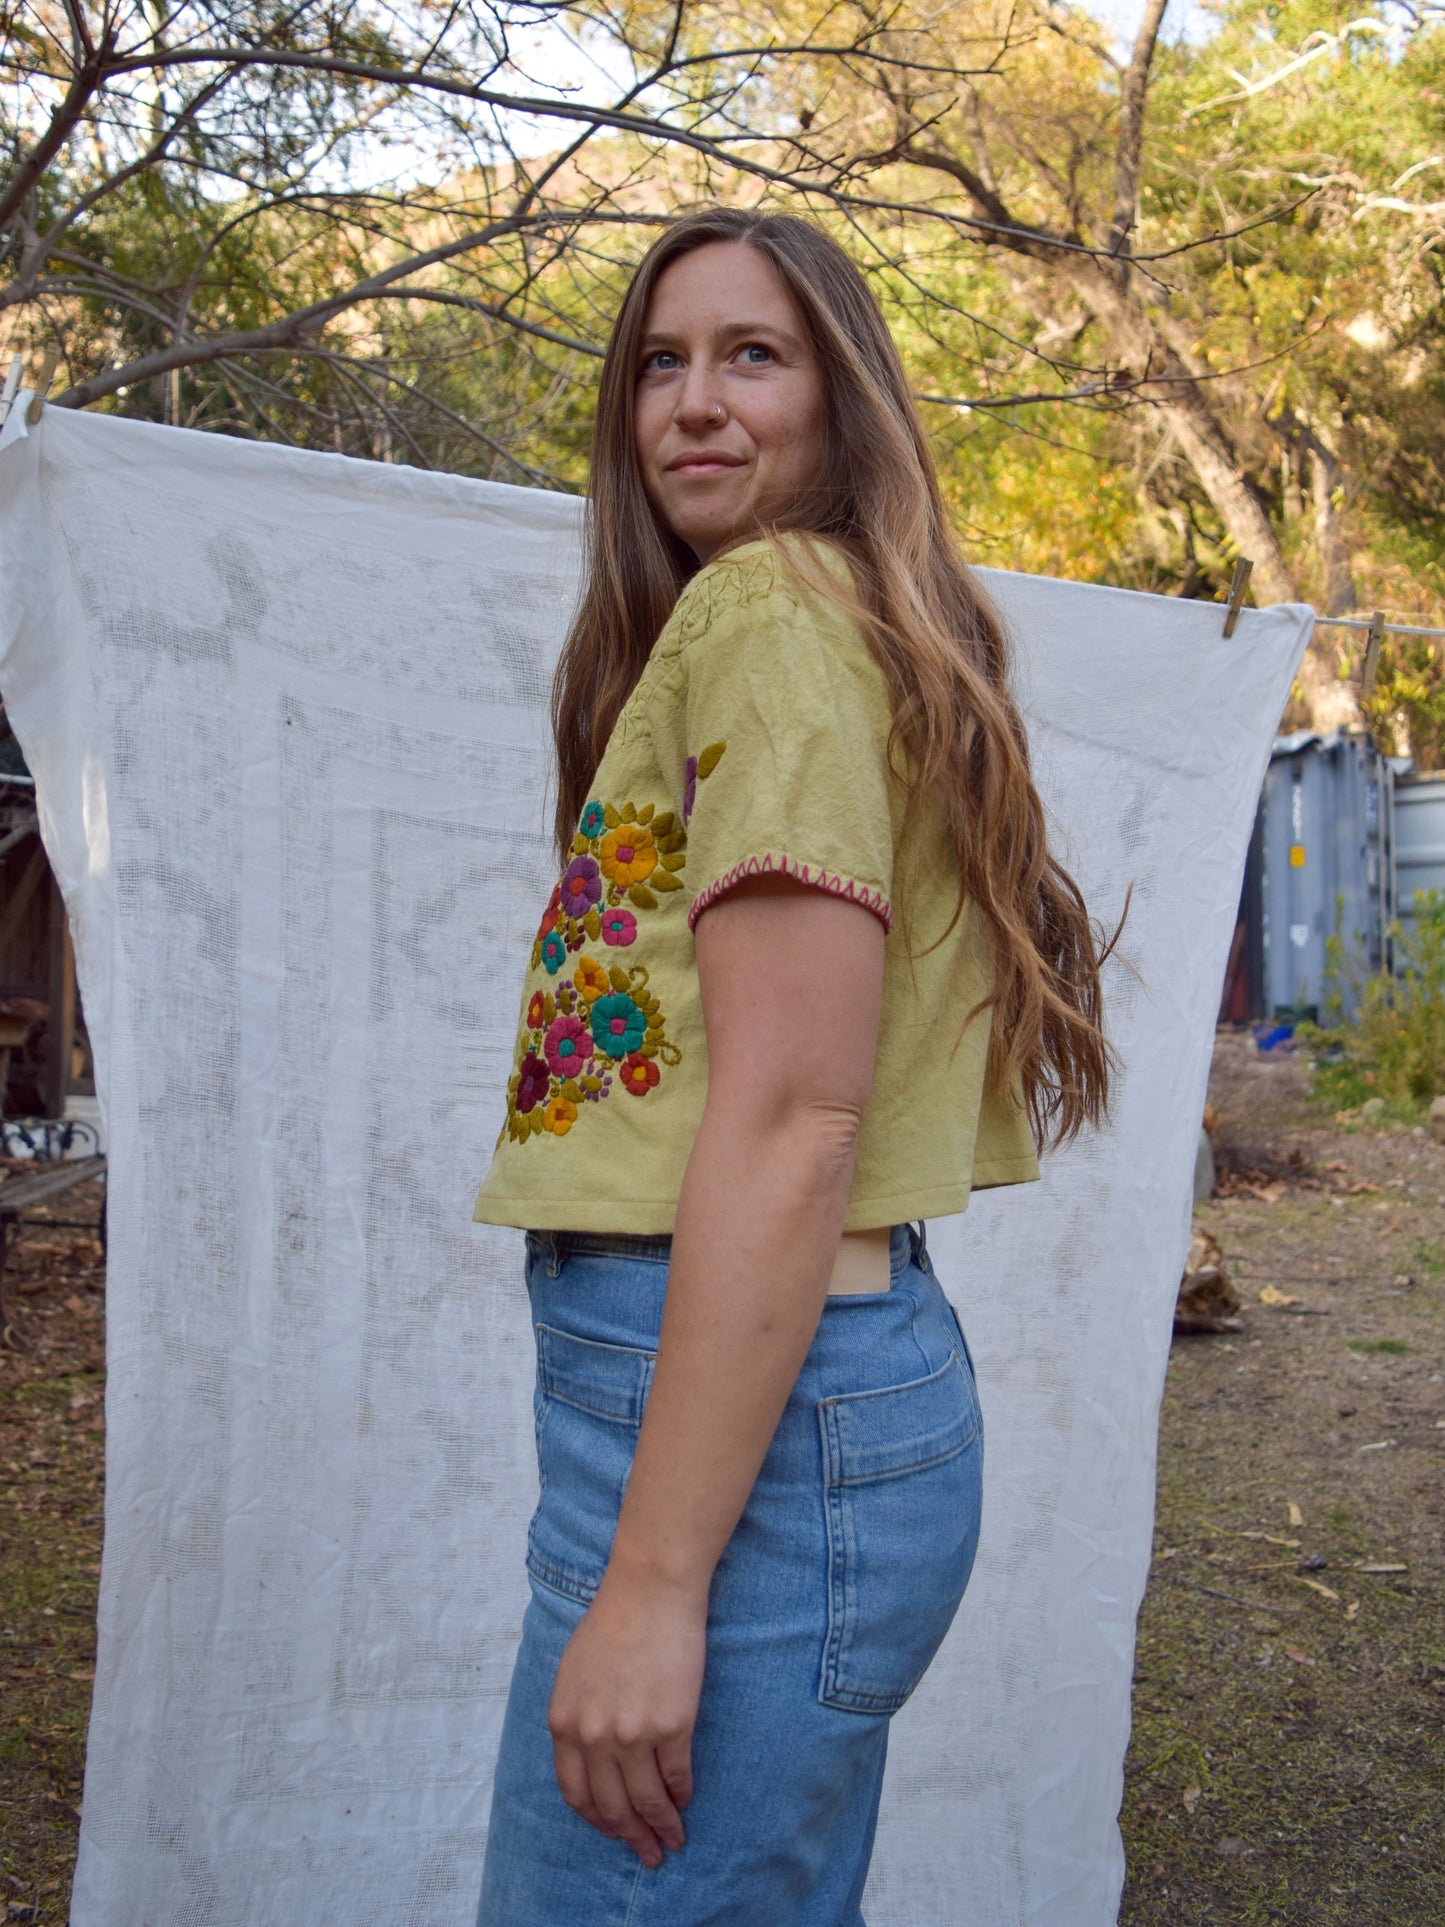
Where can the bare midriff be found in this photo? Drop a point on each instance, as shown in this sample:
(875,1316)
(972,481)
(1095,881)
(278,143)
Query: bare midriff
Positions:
(862,1263)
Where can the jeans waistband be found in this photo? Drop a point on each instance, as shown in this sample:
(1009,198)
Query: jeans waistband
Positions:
(553,1246)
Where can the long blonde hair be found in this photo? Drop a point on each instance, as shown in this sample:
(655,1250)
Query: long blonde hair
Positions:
(936,637)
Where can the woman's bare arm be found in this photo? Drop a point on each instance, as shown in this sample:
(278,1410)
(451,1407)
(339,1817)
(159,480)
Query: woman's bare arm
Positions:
(791,981)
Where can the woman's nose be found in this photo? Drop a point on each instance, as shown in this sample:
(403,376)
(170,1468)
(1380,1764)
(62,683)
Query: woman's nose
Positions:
(699,400)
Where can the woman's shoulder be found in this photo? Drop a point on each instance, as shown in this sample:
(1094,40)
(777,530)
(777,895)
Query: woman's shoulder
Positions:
(770,582)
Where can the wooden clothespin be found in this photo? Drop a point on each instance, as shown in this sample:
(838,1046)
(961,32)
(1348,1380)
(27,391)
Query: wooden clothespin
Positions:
(1370,668)
(1243,570)
(42,387)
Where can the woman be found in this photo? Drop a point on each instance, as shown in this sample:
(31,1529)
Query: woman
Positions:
(809,973)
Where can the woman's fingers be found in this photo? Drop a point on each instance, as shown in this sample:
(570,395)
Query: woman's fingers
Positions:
(619,1816)
(651,1801)
(570,1765)
(674,1763)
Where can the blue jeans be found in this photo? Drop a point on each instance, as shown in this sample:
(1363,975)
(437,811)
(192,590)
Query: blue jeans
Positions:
(832,1596)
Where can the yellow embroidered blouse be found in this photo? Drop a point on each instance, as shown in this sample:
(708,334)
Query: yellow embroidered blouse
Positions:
(755,740)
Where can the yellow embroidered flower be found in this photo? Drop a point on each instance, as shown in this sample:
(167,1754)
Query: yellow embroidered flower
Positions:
(590,979)
(629,854)
(559,1116)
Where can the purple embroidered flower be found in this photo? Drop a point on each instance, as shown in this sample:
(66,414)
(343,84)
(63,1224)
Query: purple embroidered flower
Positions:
(534,1082)
(581,885)
(689,795)
(619,927)
(568,1046)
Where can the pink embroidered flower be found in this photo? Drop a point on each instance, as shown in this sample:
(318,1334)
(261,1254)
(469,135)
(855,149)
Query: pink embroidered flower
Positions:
(568,1045)
(534,1083)
(581,885)
(638,1074)
(619,927)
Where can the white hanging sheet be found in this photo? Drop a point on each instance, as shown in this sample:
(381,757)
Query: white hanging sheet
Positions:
(287,717)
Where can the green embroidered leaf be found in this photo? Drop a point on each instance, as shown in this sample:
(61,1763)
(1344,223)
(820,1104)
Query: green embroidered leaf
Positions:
(662,824)
(627,813)
(670,845)
(645,816)
(571,1092)
(592,924)
(610,816)
(709,759)
(549,1007)
(592,1083)
(617,977)
(580,844)
(664,880)
(646,1050)
(642,897)
(536,955)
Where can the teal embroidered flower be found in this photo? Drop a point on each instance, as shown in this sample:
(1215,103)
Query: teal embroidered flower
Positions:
(593,818)
(554,951)
(617,1024)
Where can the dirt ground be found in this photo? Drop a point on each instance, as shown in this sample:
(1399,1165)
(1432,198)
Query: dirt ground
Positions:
(1288,1760)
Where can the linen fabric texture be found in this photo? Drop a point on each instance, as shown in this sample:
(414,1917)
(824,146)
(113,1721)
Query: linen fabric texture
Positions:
(835,1590)
(755,741)
(287,714)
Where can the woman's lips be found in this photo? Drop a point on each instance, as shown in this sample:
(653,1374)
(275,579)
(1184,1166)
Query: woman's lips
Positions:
(703,464)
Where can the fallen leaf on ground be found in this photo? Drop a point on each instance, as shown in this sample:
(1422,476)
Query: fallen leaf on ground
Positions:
(1296,1517)
(1191,1797)
(1269,1296)
(1373,1568)
(1378,1445)
(1352,1609)
(1316,1585)
(1299,1658)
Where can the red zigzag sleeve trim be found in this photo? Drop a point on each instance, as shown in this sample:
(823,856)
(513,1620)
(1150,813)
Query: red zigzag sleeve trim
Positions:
(770,865)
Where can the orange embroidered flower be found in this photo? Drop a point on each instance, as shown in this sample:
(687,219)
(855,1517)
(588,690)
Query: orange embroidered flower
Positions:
(559,1116)
(590,979)
(629,854)
(536,1011)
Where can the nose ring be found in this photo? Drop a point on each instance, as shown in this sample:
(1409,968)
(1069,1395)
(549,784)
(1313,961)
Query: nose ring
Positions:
(715,413)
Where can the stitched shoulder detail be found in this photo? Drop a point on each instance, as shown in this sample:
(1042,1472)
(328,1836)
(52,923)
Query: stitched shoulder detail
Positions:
(747,575)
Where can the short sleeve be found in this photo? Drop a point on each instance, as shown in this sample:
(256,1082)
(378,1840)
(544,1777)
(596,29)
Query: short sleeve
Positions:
(778,739)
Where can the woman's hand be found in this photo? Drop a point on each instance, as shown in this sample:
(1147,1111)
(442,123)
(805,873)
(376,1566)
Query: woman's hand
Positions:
(623,1709)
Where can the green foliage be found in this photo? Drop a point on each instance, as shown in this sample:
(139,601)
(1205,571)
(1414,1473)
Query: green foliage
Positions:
(1393,1045)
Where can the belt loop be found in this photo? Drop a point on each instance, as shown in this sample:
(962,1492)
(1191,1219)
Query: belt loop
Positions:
(550,1253)
(921,1244)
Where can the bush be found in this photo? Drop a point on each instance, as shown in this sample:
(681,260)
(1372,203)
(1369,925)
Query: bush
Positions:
(1393,1046)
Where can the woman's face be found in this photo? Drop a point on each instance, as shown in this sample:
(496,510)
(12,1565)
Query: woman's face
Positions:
(730,412)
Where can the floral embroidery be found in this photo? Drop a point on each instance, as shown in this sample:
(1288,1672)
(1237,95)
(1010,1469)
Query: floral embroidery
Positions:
(698,769)
(581,886)
(553,951)
(568,1046)
(601,1025)
(629,854)
(590,978)
(618,1025)
(638,1074)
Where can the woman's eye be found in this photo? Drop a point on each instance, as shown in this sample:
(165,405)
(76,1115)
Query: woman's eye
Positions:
(661,361)
(756,355)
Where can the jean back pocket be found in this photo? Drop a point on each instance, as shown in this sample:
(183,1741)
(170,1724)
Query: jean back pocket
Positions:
(902,1490)
(589,1404)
